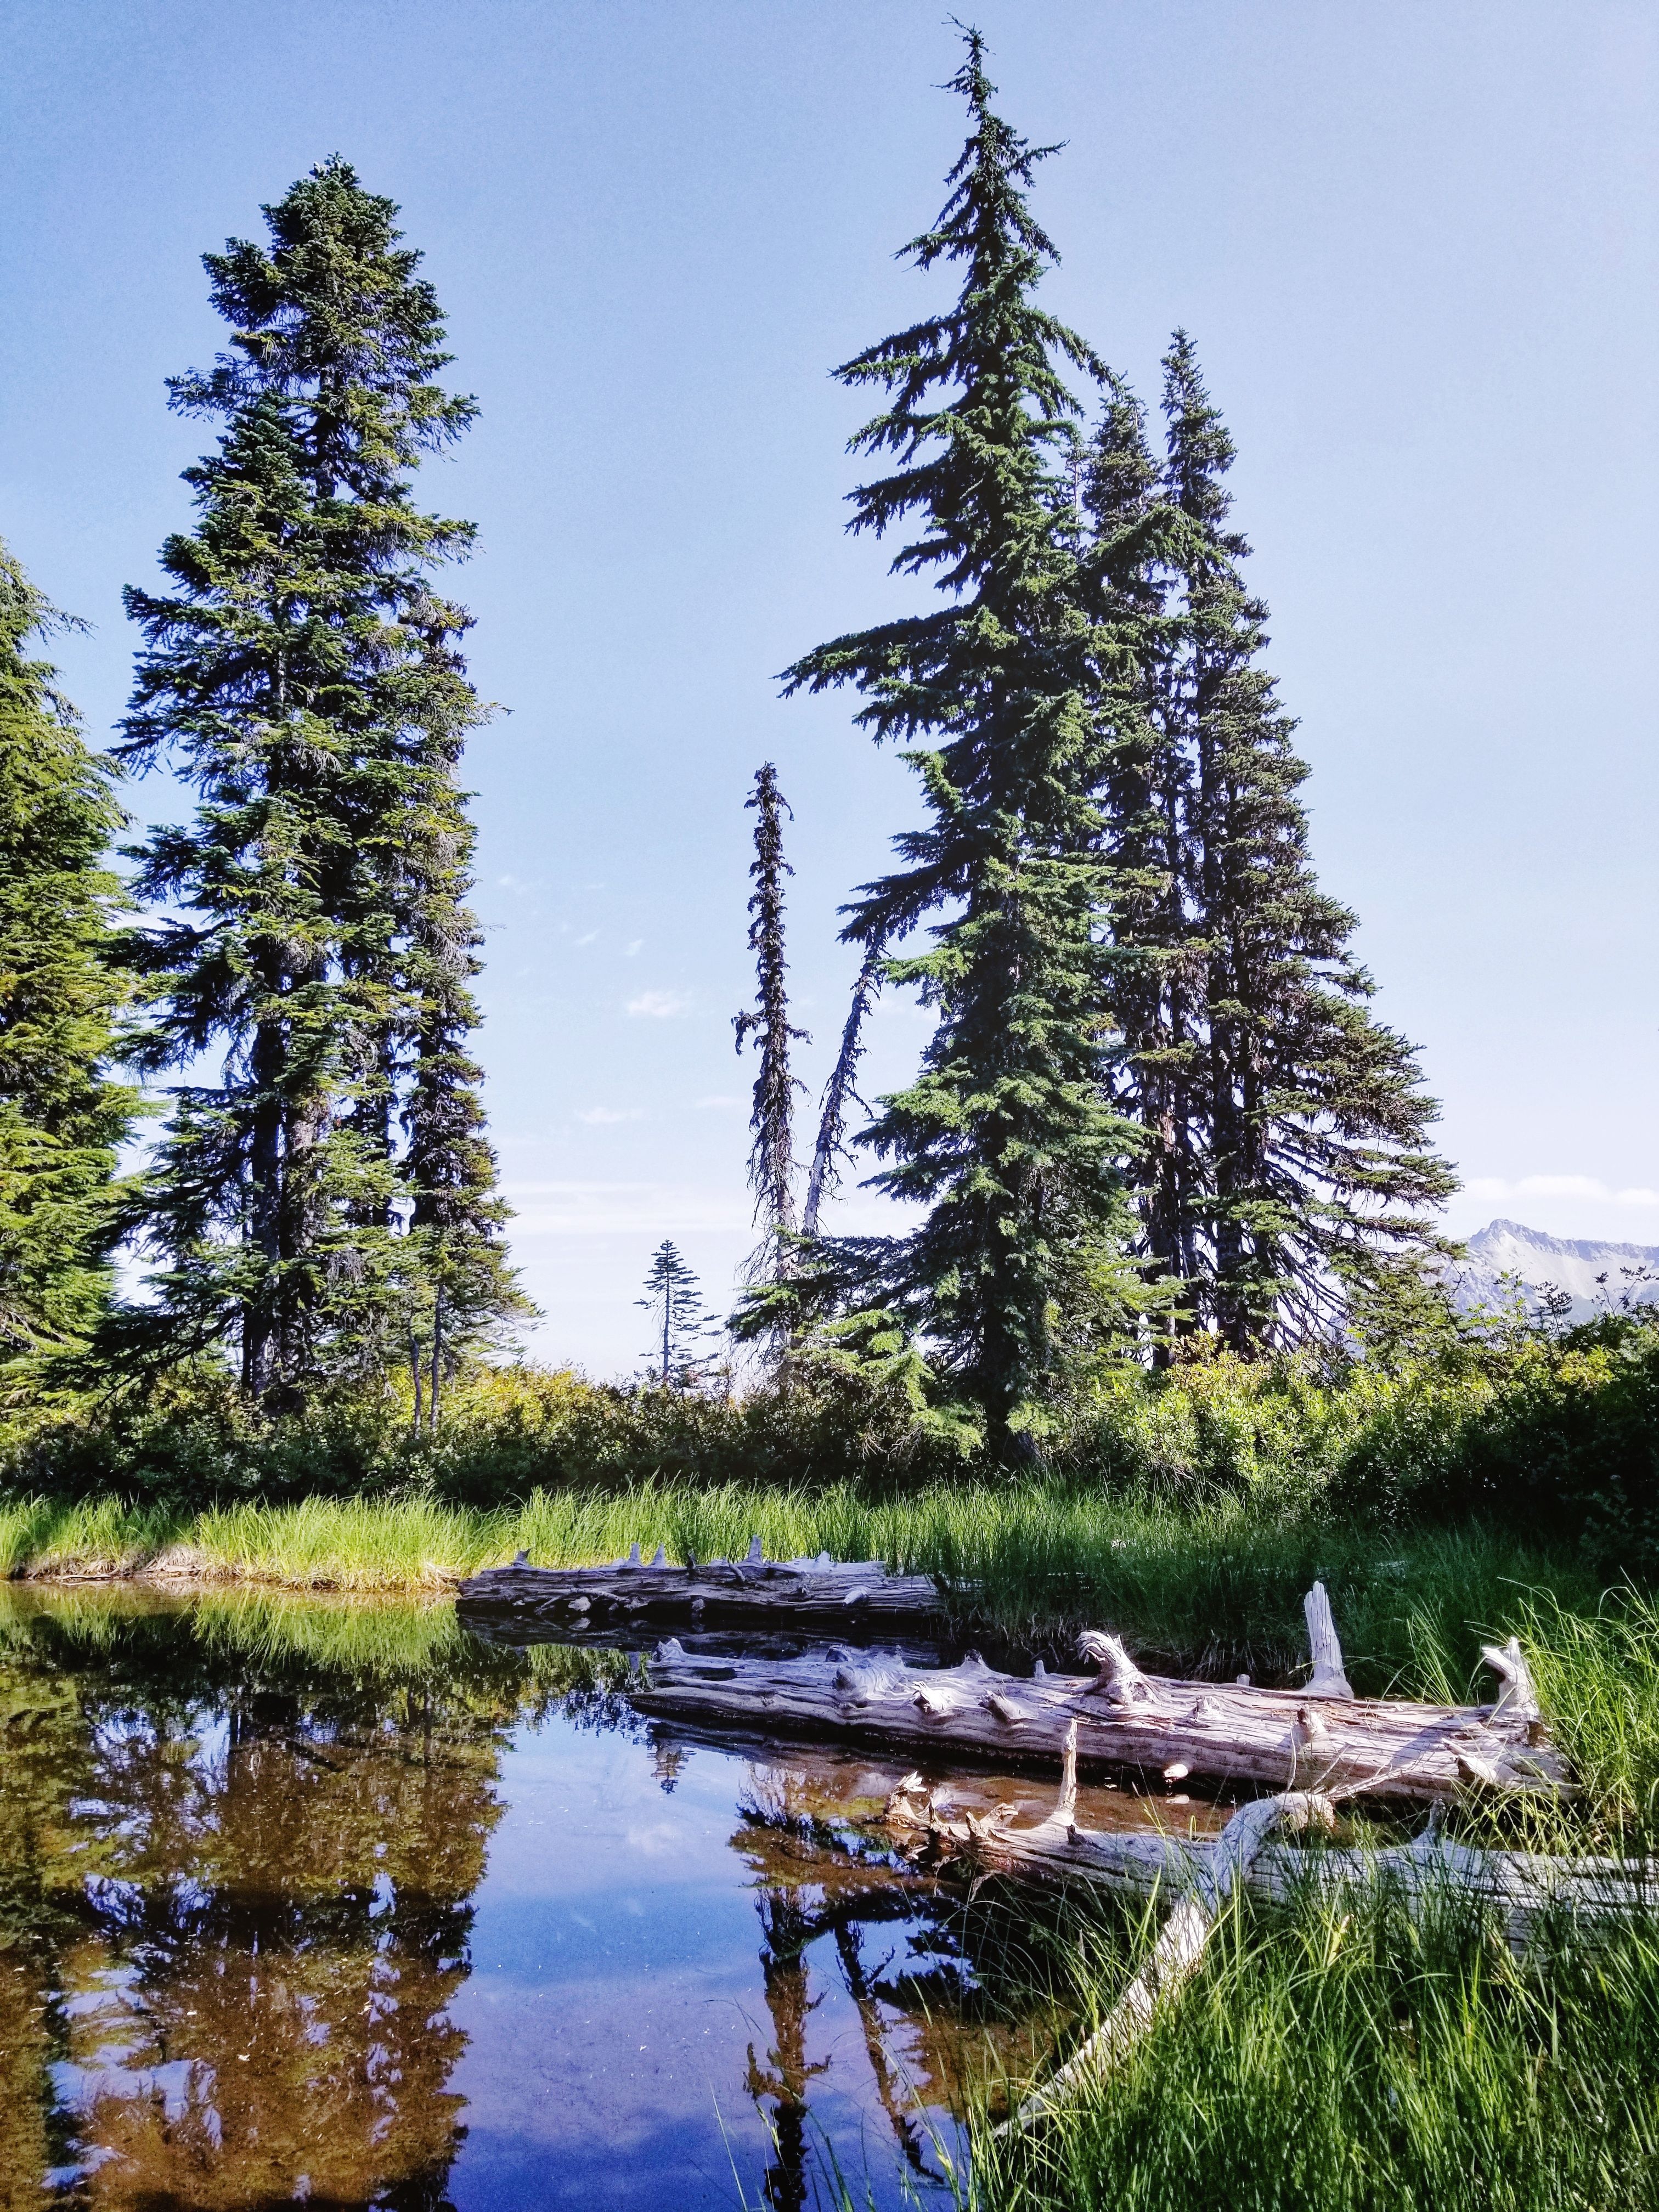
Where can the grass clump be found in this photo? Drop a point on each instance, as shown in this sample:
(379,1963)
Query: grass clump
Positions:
(1341,2056)
(1207,1587)
(1597,1674)
(1342,2053)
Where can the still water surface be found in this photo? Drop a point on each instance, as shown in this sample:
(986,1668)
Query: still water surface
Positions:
(338,1904)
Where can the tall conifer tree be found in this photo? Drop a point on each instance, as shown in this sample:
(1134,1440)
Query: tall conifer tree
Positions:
(772,1117)
(1288,1183)
(1155,974)
(62,1117)
(1006,1136)
(680,1329)
(304,674)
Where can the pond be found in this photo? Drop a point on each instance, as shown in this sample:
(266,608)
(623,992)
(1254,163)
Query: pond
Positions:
(303,1902)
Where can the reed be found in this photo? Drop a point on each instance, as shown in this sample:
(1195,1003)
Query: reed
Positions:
(1209,1588)
(1339,2056)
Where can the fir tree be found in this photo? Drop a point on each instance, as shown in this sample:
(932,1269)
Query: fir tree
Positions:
(62,1118)
(1155,977)
(458,1285)
(1293,1185)
(303,673)
(772,1155)
(1005,1137)
(680,1328)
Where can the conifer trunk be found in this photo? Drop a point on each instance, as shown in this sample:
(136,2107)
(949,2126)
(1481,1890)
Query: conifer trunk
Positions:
(437,1352)
(260,1325)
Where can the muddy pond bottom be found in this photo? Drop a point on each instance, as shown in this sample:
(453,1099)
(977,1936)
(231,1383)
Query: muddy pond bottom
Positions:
(304,1902)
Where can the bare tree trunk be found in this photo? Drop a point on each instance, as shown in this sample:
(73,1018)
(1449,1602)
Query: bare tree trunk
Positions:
(414,1374)
(259,1344)
(437,1352)
(838,1093)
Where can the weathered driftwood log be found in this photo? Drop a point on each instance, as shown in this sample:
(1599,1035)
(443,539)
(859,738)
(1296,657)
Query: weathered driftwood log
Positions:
(1229,1734)
(753,1592)
(1520,1886)
(1180,1947)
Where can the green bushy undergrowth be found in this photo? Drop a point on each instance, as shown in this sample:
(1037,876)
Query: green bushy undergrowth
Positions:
(1558,1433)
(1561,1432)
(1555,1436)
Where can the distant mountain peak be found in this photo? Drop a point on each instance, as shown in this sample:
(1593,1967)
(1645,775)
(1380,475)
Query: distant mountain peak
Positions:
(1541,1262)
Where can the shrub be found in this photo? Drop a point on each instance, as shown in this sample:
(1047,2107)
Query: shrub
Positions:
(1557,1437)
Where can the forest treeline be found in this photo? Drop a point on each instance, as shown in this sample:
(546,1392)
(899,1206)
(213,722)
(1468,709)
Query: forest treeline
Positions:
(1156,1118)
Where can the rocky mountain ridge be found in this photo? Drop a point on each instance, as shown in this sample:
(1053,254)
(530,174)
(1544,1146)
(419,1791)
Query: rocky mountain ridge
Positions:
(1592,1274)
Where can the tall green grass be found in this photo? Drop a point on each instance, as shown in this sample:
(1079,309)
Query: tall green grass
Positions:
(1339,2056)
(1212,1587)
(1598,1680)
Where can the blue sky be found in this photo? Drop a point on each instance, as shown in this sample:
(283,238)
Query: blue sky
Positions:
(1415,244)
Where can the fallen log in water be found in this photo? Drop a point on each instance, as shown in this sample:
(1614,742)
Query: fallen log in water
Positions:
(1227,1734)
(853,1595)
(1520,1886)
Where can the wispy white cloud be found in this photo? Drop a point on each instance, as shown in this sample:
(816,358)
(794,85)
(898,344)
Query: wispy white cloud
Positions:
(632,947)
(660,1005)
(1562,1186)
(601,1117)
(716,1098)
(588,937)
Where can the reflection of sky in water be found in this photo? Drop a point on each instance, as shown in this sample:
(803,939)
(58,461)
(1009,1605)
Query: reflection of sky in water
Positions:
(615,1992)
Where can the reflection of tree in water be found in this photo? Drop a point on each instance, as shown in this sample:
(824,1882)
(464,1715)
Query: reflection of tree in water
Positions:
(667,1761)
(251,1885)
(921,2029)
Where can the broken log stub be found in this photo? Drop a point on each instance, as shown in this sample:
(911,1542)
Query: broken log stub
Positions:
(753,1591)
(1230,1735)
(1329,1679)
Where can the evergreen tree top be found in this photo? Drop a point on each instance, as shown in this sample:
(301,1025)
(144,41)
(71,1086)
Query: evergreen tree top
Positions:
(980,410)
(1200,449)
(331,313)
(26,612)
(58,791)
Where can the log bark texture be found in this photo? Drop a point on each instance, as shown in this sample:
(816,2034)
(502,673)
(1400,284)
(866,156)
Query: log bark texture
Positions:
(1230,1734)
(1522,1886)
(754,1592)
